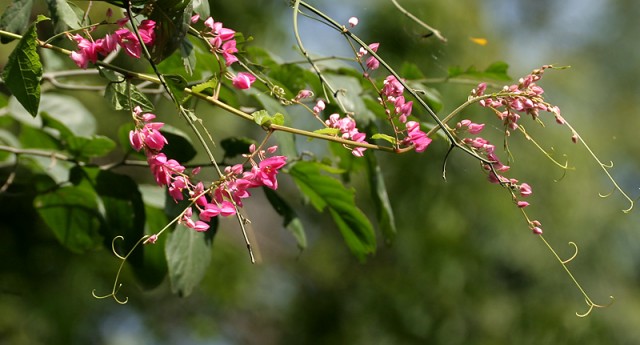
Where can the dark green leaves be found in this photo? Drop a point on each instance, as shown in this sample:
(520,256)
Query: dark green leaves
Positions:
(188,256)
(23,72)
(172,18)
(117,94)
(16,17)
(327,192)
(290,219)
(72,214)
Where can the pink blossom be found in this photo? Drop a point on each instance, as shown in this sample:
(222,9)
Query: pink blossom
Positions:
(372,63)
(243,80)
(522,204)
(392,87)
(353,21)
(228,51)
(200,226)
(195,18)
(374,46)
(318,107)
(107,44)
(537,230)
(151,239)
(417,137)
(525,190)
(146,31)
(129,42)
(302,94)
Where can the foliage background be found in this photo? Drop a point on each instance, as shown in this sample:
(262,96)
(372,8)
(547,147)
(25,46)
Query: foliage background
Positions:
(463,268)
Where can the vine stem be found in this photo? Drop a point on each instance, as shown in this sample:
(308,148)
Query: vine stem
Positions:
(342,29)
(417,20)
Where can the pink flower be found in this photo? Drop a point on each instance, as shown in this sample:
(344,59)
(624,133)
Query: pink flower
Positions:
(87,52)
(228,49)
(537,230)
(522,204)
(129,42)
(374,46)
(417,137)
(525,190)
(302,94)
(353,21)
(392,87)
(372,63)
(107,44)
(318,107)
(151,239)
(243,80)
(146,31)
(265,173)
(200,226)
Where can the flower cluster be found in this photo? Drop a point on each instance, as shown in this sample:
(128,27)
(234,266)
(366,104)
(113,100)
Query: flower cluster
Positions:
(525,97)
(349,130)
(88,50)
(397,107)
(222,40)
(372,63)
(223,198)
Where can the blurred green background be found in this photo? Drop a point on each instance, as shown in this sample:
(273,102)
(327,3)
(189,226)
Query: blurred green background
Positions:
(464,268)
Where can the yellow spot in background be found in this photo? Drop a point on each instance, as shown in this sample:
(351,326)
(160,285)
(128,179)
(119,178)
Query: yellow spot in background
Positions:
(479,40)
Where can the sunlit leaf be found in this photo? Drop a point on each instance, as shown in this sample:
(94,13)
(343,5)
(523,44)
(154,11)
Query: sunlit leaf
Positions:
(326,192)
(62,15)
(188,255)
(117,94)
(23,71)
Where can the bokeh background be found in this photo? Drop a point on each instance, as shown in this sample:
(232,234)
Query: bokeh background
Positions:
(463,269)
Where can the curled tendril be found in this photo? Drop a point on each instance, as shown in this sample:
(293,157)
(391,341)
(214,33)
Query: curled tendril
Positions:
(605,168)
(575,253)
(594,305)
(587,299)
(564,166)
(123,259)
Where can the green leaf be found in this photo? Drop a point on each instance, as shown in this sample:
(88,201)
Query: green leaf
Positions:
(16,18)
(51,122)
(286,141)
(118,97)
(385,137)
(172,22)
(290,219)
(201,7)
(429,94)
(261,117)
(72,214)
(349,93)
(179,145)
(327,131)
(62,15)
(96,146)
(176,84)
(236,146)
(188,255)
(327,192)
(380,198)
(23,71)
(411,71)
